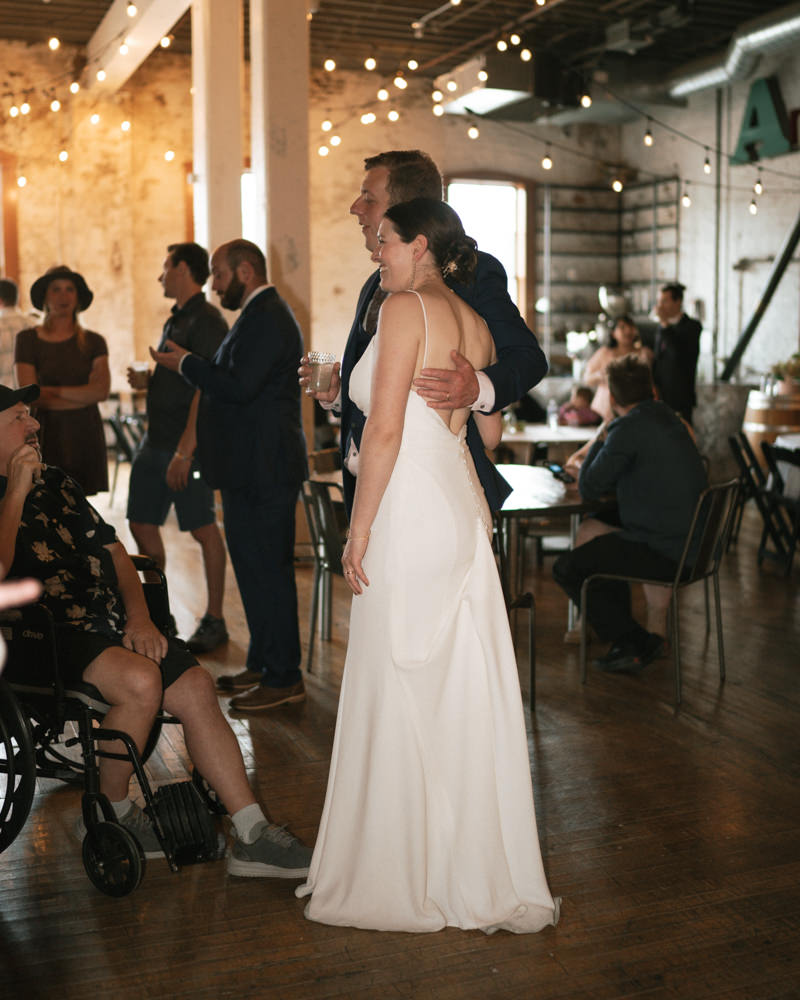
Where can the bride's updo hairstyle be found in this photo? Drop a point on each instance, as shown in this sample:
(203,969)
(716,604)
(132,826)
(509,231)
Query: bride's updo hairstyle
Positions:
(455,253)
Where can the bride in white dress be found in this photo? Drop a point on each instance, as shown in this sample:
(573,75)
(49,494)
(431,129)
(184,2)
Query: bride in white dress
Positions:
(428,819)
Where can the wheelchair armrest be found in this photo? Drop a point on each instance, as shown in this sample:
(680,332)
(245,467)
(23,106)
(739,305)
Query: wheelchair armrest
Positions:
(29,633)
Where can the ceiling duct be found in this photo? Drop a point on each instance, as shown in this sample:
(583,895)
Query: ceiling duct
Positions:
(763,36)
(485,83)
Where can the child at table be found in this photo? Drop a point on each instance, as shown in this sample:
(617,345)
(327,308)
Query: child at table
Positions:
(577,411)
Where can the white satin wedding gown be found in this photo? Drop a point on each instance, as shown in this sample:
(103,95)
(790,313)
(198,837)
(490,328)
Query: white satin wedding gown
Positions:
(428,819)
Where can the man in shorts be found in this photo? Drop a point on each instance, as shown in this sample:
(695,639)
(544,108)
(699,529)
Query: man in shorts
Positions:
(104,636)
(164,472)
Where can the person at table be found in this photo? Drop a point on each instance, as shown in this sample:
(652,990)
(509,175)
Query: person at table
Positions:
(70,364)
(578,411)
(622,340)
(649,461)
(428,819)
(393,177)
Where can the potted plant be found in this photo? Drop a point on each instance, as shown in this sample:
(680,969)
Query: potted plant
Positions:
(787,374)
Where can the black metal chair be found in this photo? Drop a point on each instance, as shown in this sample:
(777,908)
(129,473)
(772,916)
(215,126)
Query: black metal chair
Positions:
(127,429)
(751,477)
(327,522)
(784,510)
(708,538)
(35,709)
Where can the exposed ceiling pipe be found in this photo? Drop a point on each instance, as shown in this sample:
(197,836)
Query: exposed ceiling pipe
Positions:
(762,36)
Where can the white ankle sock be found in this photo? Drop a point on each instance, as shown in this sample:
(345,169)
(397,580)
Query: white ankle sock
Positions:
(246,820)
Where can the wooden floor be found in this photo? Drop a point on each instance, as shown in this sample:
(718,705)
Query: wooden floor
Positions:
(674,839)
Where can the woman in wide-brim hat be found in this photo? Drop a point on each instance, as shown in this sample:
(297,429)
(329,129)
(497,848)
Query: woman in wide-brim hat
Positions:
(70,364)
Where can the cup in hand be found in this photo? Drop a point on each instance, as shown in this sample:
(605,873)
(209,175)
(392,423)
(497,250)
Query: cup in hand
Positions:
(321,364)
(140,374)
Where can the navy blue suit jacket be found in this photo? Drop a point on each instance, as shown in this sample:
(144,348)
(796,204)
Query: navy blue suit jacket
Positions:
(675,364)
(249,433)
(520,365)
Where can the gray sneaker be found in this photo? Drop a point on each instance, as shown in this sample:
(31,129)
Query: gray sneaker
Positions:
(137,823)
(210,633)
(275,853)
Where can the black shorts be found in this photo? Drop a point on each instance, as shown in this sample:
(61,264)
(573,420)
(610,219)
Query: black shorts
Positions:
(77,648)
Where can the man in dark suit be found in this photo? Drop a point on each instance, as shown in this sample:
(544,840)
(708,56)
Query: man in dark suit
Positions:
(391,178)
(251,447)
(676,351)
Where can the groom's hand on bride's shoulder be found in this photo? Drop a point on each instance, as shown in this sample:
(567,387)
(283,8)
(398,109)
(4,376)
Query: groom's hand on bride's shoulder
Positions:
(448,388)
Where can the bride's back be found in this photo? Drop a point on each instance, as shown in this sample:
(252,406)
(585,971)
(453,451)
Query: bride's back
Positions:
(453,326)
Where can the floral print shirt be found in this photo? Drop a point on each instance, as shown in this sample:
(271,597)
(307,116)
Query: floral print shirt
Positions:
(62,542)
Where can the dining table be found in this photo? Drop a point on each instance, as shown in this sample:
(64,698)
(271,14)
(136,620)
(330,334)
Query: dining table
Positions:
(560,439)
(790,473)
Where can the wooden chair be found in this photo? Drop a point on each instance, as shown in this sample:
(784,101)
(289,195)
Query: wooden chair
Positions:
(708,538)
(324,507)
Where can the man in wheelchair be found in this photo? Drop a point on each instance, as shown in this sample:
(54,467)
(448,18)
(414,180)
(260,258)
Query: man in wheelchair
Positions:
(48,530)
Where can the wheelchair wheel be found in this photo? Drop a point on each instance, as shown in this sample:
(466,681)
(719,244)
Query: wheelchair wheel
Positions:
(17,767)
(113,859)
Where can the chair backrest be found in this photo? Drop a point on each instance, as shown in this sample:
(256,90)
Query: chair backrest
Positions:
(324,507)
(325,460)
(707,539)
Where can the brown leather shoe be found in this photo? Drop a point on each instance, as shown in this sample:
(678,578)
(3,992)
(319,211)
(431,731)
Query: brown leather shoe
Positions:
(242,681)
(262,697)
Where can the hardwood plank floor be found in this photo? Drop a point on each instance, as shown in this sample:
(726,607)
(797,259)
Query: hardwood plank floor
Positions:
(673,838)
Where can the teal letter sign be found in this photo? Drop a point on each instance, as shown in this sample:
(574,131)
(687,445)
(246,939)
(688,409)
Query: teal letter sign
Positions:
(764,131)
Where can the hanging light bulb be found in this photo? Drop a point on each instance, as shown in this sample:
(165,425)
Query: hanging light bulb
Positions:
(393,115)
(132,10)
(63,156)
(483,76)
(383,94)
(368,118)
(438,110)
(13,111)
(370,63)
(25,108)
(169,156)
(502,45)
(753,207)
(55,104)
(95,118)
(758,187)
(526,55)
(327,125)
(22,180)
(329,65)
(686,200)
(323,151)
(473,132)
(514,39)
(166,41)
(125,126)
(101,75)
(647,139)
(455,3)
(123,49)
(74,87)
(586,101)
(335,140)
(452,85)
(53,44)
(547,160)
(412,64)
(617,185)
(706,163)
(436,96)
(400,82)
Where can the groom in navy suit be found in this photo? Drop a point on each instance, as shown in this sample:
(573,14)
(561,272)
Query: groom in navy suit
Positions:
(251,447)
(391,178)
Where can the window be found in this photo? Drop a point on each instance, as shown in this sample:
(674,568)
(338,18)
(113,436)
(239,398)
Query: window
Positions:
(495,213)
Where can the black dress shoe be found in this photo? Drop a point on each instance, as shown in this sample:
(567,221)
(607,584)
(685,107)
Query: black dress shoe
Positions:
(622,658)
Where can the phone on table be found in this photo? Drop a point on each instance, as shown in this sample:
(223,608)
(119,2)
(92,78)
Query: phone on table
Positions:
(560,472)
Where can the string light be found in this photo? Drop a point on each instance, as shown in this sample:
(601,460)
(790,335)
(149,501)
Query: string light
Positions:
(95,118)
(55,104)
(166,41)
(368,118)
(63,156)
(706,163)
(455,3)
(547,160)
(132,10)
(123,49)
(25,108)
(53,44)
(526,55)
(758,187)
(451,85)
(169,156)
(22,180)
(74,87)
(393,115)
(586,101)
(370,63)
(473,132)
(515,39)
(323,151)
(436,96)
(329,65)
(327,125)
(686,200)
(101,75)
(502,45)
(648,136)
(753,207)
(125,126)
(438,110)
(335,140)
(412,64)
(383,94)
(13,111)
(400,82)
(617,185)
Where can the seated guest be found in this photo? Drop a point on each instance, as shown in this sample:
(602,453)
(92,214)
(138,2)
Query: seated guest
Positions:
(105,637)
(648,459)
(622,340)
(577,411)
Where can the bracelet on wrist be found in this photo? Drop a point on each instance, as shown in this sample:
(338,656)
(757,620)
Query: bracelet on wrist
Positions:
(356,538)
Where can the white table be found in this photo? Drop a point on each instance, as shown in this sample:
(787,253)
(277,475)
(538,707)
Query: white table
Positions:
(529,435)
(790,473)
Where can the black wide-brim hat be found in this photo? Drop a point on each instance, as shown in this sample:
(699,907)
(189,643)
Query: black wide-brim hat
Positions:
(61,273)
(10,397)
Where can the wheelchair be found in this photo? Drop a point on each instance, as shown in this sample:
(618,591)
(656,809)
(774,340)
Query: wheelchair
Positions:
(35,708)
